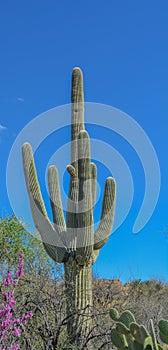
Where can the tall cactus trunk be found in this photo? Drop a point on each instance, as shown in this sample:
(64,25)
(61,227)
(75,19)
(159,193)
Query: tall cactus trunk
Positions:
(73,242)
(78,288)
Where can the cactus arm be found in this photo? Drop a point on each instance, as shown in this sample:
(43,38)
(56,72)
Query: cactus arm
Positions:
(71,170)
(77,94)
(94,179)
(107,216)
(31,179)
(71,212)
(51,240)
(85,217)
(55,199)
(77,100)
(77,119)
(77,124)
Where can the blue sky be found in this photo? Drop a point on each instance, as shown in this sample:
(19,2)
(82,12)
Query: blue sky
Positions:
(122,48)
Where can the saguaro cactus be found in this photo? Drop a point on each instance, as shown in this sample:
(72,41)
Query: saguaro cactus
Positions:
(73,242)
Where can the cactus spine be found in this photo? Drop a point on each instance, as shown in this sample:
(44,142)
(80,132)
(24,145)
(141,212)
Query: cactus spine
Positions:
(73,242)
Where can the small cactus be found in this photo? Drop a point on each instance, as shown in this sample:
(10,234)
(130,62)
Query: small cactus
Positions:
(114,314)
(163,330)
(126,318)
(132,336)
(118,339)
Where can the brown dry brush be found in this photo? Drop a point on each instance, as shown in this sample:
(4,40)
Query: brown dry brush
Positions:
(48,328)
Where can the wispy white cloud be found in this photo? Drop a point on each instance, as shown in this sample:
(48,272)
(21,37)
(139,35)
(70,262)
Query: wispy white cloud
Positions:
(20,99)
(2,127)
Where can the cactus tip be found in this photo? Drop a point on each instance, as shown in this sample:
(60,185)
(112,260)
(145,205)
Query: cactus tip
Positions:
(83,134)
(26,144)
(77,69)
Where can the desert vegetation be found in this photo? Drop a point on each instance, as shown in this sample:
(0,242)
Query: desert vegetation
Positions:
(42,290)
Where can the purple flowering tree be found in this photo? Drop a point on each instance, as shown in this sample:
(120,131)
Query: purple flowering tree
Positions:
(11,327)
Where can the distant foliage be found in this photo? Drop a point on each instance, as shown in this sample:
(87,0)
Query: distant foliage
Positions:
(15,238)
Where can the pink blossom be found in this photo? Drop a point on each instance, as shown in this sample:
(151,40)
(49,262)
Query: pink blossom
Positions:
(17,320)
(12,300)
(17,332)
(28,315)
(13,347)
(5,295)
(15,282)
(21,254)
(6,323)
(20,271)
(8,279)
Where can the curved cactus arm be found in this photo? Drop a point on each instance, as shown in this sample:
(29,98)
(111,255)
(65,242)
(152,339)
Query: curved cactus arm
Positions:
(55,199)
(107,216)
(32,180)
(51,241)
